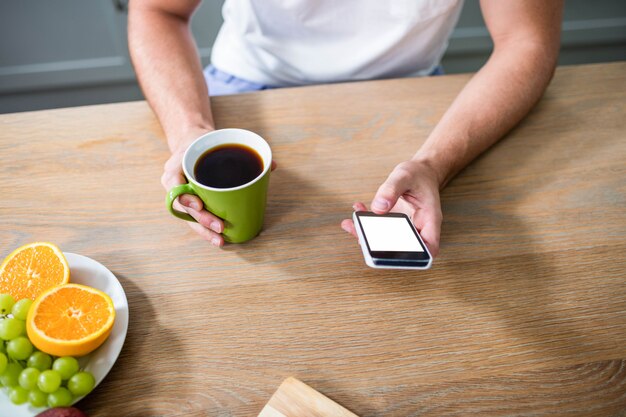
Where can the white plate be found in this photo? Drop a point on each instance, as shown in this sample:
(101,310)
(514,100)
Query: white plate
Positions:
(86,271)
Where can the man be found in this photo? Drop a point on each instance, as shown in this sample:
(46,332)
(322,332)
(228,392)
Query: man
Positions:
(274,43)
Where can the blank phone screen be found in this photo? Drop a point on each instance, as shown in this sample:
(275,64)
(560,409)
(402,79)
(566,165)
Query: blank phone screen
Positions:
(390,234)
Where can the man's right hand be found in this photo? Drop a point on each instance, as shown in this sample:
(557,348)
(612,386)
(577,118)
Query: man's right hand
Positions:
(170,74)
(209,226)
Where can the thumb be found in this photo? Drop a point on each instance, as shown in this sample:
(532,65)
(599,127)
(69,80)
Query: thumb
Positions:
(398,182)
(172,176)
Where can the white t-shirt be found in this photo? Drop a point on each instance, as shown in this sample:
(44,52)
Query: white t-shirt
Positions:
(296,42)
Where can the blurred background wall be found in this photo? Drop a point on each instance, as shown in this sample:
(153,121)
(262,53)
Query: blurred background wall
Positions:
(73,52)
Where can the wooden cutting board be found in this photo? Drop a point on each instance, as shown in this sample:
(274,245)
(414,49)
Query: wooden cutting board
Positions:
(296,399)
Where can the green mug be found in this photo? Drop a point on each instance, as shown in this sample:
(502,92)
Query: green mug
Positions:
(242,208)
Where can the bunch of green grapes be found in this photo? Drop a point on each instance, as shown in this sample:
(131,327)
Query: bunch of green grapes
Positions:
(29,375)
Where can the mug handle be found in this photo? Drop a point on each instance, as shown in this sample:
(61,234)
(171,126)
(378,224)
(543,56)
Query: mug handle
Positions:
(171,197)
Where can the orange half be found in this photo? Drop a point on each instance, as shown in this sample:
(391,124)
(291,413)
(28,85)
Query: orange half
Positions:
(33,268)
(70,320)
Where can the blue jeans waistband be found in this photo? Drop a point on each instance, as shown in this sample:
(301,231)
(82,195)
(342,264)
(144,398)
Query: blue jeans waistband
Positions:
(221,83)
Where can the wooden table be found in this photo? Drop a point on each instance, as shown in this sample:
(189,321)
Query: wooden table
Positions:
(524,312)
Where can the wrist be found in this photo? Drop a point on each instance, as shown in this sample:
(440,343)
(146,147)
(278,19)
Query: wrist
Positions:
(434,164)
(181,139)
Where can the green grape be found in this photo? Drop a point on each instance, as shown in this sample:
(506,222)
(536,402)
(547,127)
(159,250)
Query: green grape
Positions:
(11,328)
(18,395)
(3,346)
(49,381)
(6,304)
(60,398)
(66,367)
(81,384)
(20,309)
(28,378)
(39,360)
(20,348)
(36,398)
(10,377)
(3,362)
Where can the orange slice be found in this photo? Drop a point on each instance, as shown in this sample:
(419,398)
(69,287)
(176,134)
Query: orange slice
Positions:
(33,268)
(70,320)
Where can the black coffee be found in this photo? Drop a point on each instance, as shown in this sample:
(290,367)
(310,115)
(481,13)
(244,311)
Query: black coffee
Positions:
(228,166)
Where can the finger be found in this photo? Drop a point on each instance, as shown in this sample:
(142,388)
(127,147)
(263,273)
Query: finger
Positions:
(429,225)
(358,206)
(172,176)
(173,171)
(273,166)
(170,179)
(214,238)
(207,219)
(191,201)
(398,182)
(348,226)
(430,234)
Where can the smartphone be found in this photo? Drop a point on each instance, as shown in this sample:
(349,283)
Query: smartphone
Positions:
(390,241)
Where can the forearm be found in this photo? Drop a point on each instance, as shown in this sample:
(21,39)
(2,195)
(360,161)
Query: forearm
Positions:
(169,71)
(492,103)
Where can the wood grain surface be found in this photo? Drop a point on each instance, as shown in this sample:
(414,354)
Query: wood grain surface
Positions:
(523,313)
